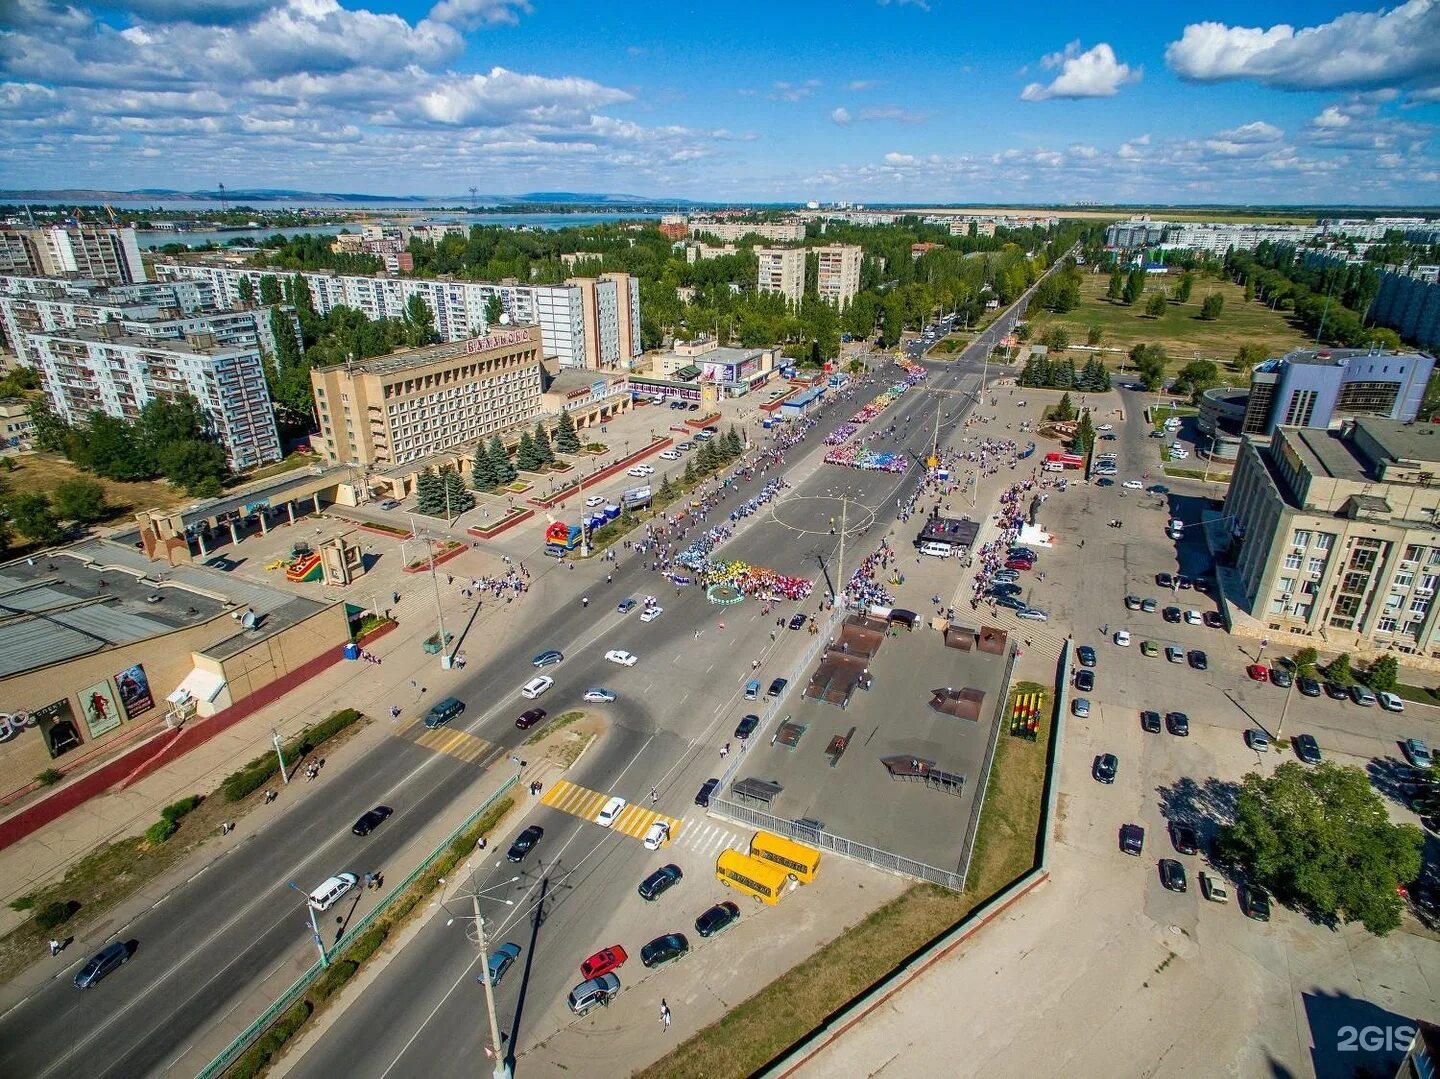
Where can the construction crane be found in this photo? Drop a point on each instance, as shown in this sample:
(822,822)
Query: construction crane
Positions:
(114,221)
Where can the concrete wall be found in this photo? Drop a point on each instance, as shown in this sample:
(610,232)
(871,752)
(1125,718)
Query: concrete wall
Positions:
(283,653)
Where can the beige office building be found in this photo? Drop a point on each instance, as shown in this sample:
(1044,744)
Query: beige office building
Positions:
(1334,535)
(410,405)
(782,270)
(838,279)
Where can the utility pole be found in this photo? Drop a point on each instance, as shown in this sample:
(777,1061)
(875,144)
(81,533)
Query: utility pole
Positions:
(1294,677)
(435,581)
(280,753)
(840,568)
(502,1068)
(314,926)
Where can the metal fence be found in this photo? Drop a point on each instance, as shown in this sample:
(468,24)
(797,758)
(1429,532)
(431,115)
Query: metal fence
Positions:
(250,1034)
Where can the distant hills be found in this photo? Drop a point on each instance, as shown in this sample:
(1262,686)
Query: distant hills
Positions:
(275,194)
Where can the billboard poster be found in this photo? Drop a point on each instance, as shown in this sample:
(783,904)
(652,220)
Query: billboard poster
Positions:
(57,726)
(102,715)
(135,696)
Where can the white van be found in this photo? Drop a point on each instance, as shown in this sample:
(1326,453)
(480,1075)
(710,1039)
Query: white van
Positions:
(536,686)
(331,892)
(939,550)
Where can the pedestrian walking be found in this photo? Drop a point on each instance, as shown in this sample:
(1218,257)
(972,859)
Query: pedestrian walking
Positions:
(654,796)
(664,1014)
(725,750)
(54,948)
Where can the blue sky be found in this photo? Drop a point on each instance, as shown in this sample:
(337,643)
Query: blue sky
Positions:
(901,101)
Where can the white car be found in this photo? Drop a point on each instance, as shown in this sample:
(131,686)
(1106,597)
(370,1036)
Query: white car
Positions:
(613,809)
(1193,618)
(1133,485)
(625,659)
(598,696)
(1390,702)
(594,500)
(1122,638)
(657,836)
(649,614)
(669,455)
(1106,427)
(641,470)
(536,686)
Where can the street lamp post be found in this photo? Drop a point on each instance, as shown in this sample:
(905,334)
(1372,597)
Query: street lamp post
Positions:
(435,582)
(502,1065)
(1294,677)
(314,926)
(280,753)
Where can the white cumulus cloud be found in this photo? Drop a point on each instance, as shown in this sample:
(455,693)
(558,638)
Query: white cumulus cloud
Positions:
(1093,73)
(841,116)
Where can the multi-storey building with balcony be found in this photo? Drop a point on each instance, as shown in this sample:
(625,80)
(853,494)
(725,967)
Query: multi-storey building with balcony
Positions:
(110,255)
(838,276)
(782,270)
(410,405)
(775,232)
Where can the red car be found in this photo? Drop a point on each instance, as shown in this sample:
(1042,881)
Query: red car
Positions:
(603,962)
(1258,673)
(1019,563)
(530,718)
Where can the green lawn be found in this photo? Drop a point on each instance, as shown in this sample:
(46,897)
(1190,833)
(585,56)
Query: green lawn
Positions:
(1180,331)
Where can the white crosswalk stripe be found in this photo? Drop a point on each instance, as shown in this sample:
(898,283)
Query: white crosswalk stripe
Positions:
(708,838)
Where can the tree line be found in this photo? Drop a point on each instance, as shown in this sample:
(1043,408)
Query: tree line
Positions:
(1329,300)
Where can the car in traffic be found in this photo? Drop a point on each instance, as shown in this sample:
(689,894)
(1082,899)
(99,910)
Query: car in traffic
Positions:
(720,916)
(1418,753)
(598,695)
(1307,749)
(603,962)
(1172,875)
(371,819)
(1105,767)
(610,810)
(1086,655)
(1198,660)
(443,711)
(548,658)
(1085,680)
(1178,724)
(664,949)
(702,797)
(650,613)
(501,959)
(625,606)
(1132,839)
(536,686)
(659,882)
(777,687)
(529,718)
(1213,889)
(657,835)
(524,843)
(1257,740)
(1080,706)
(1182,838)
(617,655)
(103,963)
(746,727)
(797,620)
(1255,903)
(597,992)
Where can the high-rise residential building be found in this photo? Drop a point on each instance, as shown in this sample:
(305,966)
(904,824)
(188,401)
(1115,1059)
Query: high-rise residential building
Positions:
(1334,534)
(105,254)
(411,404)
(460,308)
(782,270)
(103,368)
(838,277)
(776,232)
(611,306)
(1321,387)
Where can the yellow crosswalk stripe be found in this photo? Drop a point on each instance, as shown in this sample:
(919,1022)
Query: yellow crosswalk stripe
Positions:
(452,743)
(578,801)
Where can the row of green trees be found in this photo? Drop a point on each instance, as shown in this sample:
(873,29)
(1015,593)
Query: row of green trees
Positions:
(1045,372)
(1330,300)
(37,516)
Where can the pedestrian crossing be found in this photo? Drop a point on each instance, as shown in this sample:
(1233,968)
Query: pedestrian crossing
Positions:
(578,801)
(453,743)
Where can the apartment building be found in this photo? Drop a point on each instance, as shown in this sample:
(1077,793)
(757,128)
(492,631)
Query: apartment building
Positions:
(103,368)
(110,255)
(698,252)
(16,427)
(776,232)
(1211,237)
(782,270)
(460,307)
(410,405)
(838,277)
(610,307)
(1334,534)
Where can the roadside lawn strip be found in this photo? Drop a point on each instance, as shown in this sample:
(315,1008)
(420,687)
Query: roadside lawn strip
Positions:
(760,1028)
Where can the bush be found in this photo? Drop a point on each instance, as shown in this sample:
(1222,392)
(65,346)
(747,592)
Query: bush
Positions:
(175,810)
(49,777)
(329,983)
(259,771)
(54,913)
(252,1062)
(368,944)
(160,831)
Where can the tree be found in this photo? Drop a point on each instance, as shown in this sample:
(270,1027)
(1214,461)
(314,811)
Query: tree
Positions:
(1149,361)
(194,465)
(247,292)
(1064,412)
(1251,355)
(429,493)
(1305,660)
(1339,670)
(707,460)
(567,440)
(80,499)
(1214,303)
(34,517)
(689,477)
(1094,335)
(500,461)
(51,432)
(1321,838)
(541,442)
(1383,674)
(482,470)
(1134,286)
(1056,339)
(1084,434)
(733,443)
(269,290)
(493,310)
(419,322)
(1156,304)
(1199,375)
(1115,291)
(455,498)
(1183,287)
(527,459)
(111,448)
(667,489)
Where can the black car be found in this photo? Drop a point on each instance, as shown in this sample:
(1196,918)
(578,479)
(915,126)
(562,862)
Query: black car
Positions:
(1104,481)
(777,687)
(1281,677)
(706,790)
(524,843)
(1106,765)
(1084,680)
(1158,489)
(1182,836)
(1132,839)
(529,718)
(1172,874)
(1015,603)
(1336,692)
(666,949)
(720,916)
(1023,552)
(1005,589)
(747,727)
(548,658)
(1213,620)
(371,819)
(1307,749)
(1178,724)
(1172,614)
(1308,686)
(1255,903)
(1108,437)
(1198,659)
(1150,722)
(1086,654)
(664,878)
(1163,580)
(1182,582)
(797,621)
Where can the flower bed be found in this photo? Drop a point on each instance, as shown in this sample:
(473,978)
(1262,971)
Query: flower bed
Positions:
(512,518)
(594,449)
(447,552)
(561,467)
(517,487)
(386,530)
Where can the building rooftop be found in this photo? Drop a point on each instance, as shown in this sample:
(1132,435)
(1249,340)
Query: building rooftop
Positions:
(1326,357)
(1328,456)
(1418,442)
(506,338)
(186,346)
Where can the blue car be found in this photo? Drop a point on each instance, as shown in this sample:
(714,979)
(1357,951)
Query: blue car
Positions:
(500,960)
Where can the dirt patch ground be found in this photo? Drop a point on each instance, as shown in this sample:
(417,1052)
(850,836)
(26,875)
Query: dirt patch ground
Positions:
(44,472)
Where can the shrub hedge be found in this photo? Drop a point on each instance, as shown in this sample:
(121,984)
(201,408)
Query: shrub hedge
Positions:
(175,810)
(259,771)
(160,831)
(53,914)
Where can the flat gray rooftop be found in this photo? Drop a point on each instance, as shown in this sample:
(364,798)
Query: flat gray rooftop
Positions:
(1327,455)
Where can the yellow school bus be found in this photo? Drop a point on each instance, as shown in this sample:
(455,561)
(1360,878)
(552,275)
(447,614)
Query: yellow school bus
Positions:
(799,862)
(763,880)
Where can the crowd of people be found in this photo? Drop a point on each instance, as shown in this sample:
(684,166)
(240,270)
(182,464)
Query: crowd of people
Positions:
(756,582)
(993,555)
(866,587)
(850,452)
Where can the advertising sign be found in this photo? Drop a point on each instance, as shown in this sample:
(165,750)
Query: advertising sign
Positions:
(102,714)
(135,695)
(57,726)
